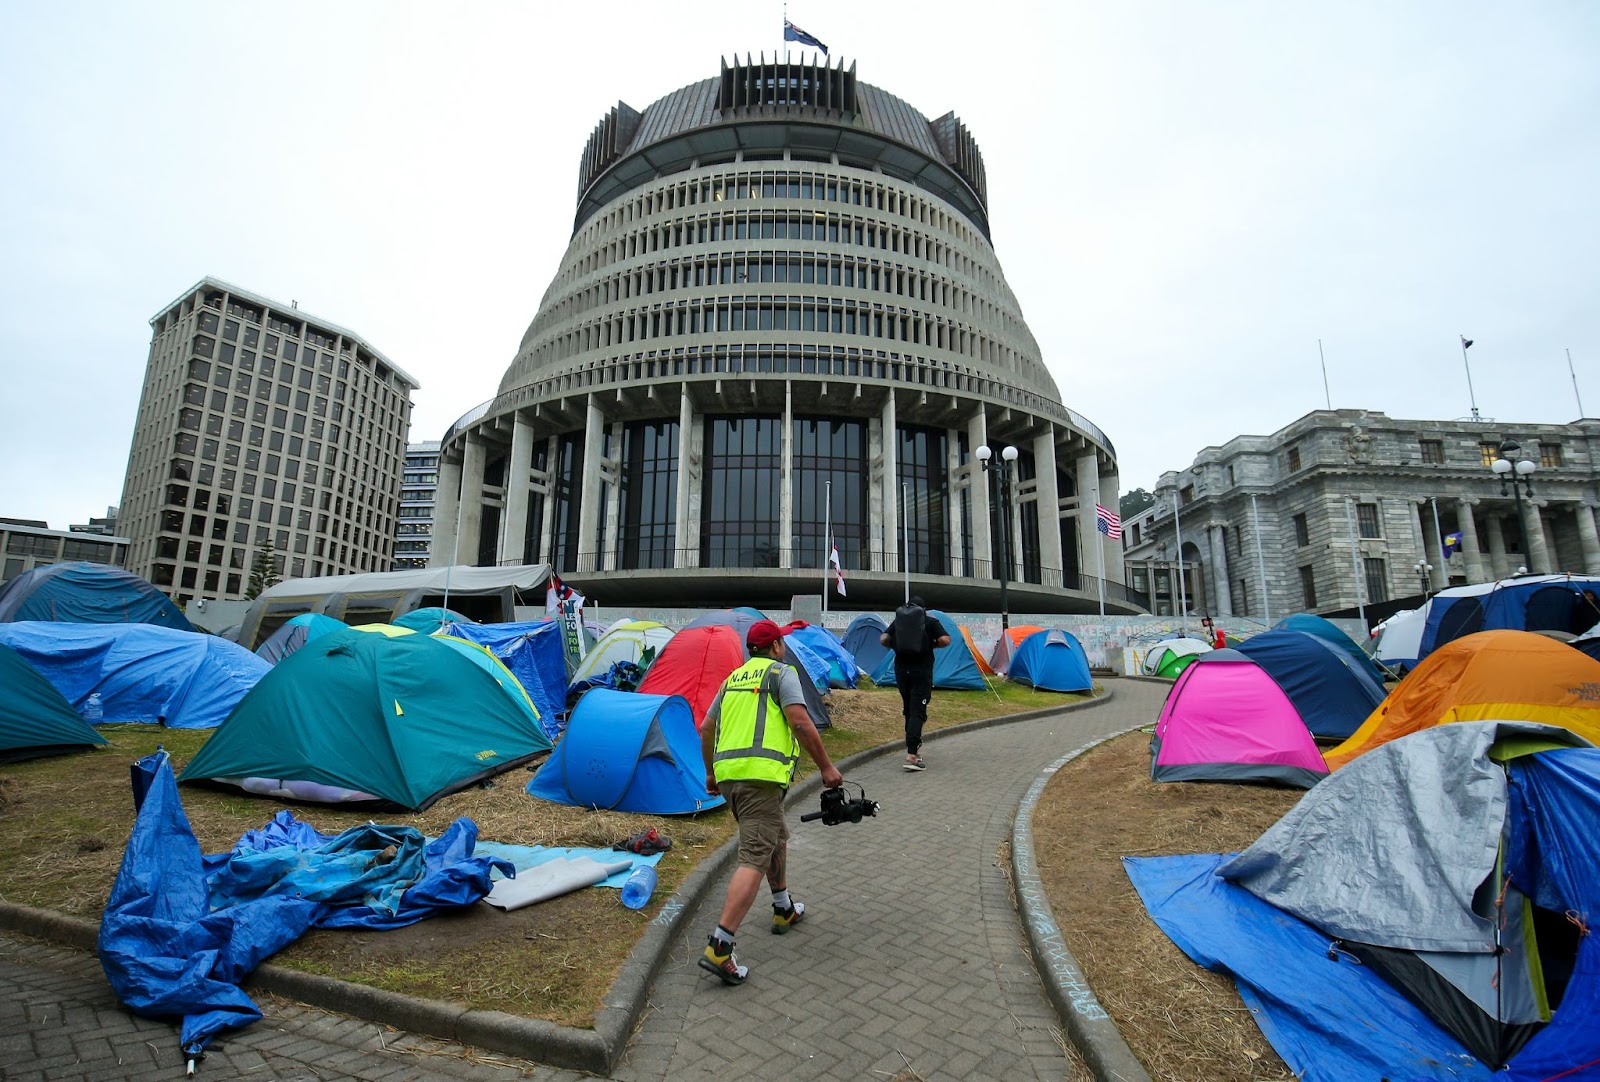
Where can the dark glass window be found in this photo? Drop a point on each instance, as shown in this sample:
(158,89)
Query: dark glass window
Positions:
(1367,520)
(649,493)
(1377,580)
(920,470)
(1302,536)
(739,517)
(1308,587)
(567,491)
(1432,451)
(827,450)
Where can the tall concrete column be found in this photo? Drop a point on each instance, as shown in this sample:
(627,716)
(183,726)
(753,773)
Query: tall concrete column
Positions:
(589,509)
(612,474)
(686,524)
(1087,470)
(1219,570)
(1587,537)
(787,538)
(1430,548)
(1470,551)
(1111,485)
(1049,496)
(1500,565)
(469,521)
(446,507)
(890,487)
(514,520)
(1538,554)
(982,537)
(958,481)
(547,529)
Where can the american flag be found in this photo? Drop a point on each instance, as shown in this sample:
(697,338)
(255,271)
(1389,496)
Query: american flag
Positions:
(1107,522)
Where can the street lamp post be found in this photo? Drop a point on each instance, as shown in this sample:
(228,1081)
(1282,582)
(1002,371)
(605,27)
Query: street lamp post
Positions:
(1424,572)
(1516,470)
(1001,475)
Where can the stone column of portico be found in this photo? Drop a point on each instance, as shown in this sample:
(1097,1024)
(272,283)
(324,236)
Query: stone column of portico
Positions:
(446,506)
(1587,537)
(686,525)
(1470,551)
(1538,545)
(1049,506)
(1500,561)
(1432,552)
(469,521)
(889,558)
(983,565)
(514,520)
(589,508)
(1219,571)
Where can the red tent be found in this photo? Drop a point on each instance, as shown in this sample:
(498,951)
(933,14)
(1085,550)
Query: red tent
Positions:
(694,664)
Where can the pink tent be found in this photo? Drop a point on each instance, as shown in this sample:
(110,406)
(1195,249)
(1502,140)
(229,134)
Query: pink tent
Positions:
(1226,719)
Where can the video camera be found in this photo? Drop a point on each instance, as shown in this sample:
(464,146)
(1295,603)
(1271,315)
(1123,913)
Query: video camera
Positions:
(837,807)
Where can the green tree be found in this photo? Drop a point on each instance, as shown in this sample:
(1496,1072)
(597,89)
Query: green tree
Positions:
(263,570)
(1132,502)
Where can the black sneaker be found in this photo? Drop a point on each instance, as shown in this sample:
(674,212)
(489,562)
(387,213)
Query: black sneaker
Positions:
(914,763)
(718,958)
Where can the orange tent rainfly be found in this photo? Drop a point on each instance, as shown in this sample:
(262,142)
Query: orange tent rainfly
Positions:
(1489,676)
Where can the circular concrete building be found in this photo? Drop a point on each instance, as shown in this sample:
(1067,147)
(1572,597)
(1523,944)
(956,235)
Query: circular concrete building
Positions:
(781,319)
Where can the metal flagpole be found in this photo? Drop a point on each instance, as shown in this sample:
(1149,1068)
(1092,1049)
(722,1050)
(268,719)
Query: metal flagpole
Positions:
(1438,531)
(1355,561)
(1100,549)
(1326,397)
(1465,343)
(1574,376)
(1261,563)
(827,525)
(1183,593)
(455,553)
(905,536)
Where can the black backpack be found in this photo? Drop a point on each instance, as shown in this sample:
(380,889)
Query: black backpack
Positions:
(910,630)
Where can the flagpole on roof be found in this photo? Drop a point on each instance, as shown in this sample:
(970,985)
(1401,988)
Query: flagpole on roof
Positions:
(1574,376)
(827,526)
(1326,397)
(1466,343)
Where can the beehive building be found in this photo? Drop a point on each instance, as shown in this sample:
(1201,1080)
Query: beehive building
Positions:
(780,319)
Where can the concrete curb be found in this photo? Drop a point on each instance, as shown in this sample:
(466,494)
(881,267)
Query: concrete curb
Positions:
(1088,1024)
(597,1050)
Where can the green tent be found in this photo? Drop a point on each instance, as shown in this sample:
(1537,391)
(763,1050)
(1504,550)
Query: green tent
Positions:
(1169,657)
(353,716)
(35,720)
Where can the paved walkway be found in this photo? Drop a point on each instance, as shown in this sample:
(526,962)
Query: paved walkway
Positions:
(911,965)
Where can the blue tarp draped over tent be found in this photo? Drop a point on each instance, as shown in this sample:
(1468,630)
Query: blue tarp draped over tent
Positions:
(1051,661)
(142,673)
(954,666)
(1332,690)
(35,720)
(168,953)
(533,652)
(87,593)
(842,667)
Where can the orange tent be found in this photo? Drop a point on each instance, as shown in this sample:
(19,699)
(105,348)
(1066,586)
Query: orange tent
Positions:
(983,666)
(1488,676)
(1006,646)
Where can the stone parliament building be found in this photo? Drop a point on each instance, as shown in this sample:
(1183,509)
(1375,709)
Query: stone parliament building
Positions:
(1338,509)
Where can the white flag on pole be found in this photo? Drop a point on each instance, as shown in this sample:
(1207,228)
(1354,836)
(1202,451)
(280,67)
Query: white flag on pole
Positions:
(838,570)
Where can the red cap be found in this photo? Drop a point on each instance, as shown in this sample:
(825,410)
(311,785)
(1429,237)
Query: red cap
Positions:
(764,633)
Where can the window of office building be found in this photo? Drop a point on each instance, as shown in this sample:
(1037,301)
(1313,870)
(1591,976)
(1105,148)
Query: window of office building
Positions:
(1367,524)
(920,470)
(830,490)
(739,517)
(1377,579)
(649,495)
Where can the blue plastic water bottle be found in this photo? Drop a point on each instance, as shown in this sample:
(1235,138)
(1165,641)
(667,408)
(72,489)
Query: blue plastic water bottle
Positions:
(640,885)
(93,712)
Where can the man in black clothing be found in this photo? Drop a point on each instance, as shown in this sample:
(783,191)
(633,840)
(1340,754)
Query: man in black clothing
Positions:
(913,674)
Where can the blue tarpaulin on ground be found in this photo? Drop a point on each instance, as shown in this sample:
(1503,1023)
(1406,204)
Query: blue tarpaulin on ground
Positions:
(181,931)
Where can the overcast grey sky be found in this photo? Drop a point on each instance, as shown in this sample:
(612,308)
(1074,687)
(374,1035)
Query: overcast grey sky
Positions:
(1185,196)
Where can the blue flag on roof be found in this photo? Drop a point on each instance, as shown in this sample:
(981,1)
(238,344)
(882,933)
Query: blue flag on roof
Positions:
(791,32)
(1452,544)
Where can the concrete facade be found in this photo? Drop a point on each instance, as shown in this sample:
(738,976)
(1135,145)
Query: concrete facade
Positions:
(1336,510)
(260,424)
(781,320)
(27,544)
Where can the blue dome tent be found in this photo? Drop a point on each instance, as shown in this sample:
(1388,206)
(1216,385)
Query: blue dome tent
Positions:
(295,634)
(628,751)
(533,652)
(86,593)
(1312,624)
(35,721)
(861,639)
(1051,661)
(1527,603)
(1333,692)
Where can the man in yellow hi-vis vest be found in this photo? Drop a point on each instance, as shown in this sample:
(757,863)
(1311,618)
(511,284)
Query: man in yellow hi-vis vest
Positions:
(750,759)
